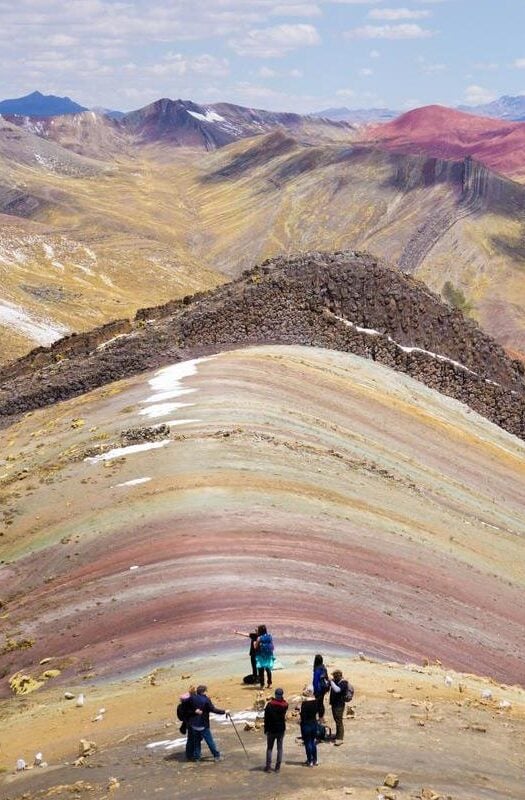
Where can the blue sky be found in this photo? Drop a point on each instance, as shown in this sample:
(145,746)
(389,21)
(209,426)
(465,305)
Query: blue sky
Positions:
(299,55)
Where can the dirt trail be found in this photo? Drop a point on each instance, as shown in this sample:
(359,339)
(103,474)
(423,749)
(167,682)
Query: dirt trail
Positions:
(407,721)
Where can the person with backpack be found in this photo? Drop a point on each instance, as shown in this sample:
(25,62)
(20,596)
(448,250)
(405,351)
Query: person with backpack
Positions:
(275,728)
(340,693)
(321,684)
(199,723)
(184,712)
(264,657)
(309,726)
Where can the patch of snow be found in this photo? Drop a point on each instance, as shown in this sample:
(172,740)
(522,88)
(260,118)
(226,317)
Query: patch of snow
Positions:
(209,116)
(405,349)
(41,331)
(48,250)
(161,409)
(168,744)
(134,482)
(118,452)
(166,382)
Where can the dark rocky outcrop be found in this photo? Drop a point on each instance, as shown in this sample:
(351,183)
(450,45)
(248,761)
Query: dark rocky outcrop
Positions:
(323,300)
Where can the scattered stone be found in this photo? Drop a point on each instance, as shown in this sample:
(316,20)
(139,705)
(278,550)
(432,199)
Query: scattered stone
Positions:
(486,694)
(429,794)
(113,784)
(504,705)
(45,661)
(51,673)
(98,718)
(79,762)
(185,677)
(69,695)
(391,780)
(249,726)
(86,748)
(80,701)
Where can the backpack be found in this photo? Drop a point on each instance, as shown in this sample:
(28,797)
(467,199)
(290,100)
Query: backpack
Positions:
(182,712)
(349,694)
(266,644)
(323,733)
(250,679)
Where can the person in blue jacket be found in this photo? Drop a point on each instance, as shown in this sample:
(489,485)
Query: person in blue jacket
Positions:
(320,683)
(264,656)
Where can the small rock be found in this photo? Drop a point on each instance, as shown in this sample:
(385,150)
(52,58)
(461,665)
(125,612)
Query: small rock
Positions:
(185,677)
(113,784)
(80,701)
(486,694)
(45,661)
(448,680)
(86,748)
(69,695)
(98,718)
(102,711)
(20,765)
(249,726)
(51,673)
(79,762)
(504,704)
(391,780)
(38,759)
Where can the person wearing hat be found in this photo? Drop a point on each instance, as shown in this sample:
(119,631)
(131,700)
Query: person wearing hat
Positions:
(309,726)
(274,728)
(338,690)
(200,723)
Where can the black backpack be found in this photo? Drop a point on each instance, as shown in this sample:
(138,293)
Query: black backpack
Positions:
(323,733)
(349,694)
(182,711)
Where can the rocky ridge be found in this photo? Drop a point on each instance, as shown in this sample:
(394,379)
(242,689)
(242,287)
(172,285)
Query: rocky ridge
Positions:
(341,301)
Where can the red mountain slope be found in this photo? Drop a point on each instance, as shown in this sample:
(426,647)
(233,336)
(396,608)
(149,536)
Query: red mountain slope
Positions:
(446,133)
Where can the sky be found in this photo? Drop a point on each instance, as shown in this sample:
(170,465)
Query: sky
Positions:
(296,55)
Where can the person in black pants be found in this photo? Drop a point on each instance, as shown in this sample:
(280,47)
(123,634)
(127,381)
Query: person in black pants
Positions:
(253,638)
(274,728)
(338,689)
(309,726)
(321,684)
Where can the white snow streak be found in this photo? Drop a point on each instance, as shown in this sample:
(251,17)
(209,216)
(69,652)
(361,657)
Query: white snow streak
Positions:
(134,482)
(118,452)
(40,331)
(209,116)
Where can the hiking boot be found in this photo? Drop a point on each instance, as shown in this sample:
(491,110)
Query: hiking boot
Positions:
(277,767)
(267,769)
(218,758)
(338,742)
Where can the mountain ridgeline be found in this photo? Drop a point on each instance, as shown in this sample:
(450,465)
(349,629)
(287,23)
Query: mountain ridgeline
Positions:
(341,301)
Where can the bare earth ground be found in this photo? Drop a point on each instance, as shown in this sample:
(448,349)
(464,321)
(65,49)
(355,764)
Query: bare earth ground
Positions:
(407,721)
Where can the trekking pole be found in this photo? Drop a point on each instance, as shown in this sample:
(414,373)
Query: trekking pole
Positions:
(238,736)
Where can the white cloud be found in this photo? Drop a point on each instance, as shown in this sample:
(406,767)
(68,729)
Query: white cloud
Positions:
(477,95)
(374,54)
(345,93)
(488,66)
(366,71)
(393,14)
(275,42)
(406,31)
(519,63)
(296,73)
(296,10)
(267,72)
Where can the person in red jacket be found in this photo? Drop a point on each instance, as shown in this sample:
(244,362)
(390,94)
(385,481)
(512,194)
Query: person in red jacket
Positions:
(274,728)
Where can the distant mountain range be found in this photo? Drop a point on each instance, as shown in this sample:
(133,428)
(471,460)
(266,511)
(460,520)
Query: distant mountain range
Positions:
(40,105)
(358,115)
(511,108)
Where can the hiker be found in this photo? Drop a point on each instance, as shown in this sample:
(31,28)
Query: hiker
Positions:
(253,638)
(264,657)
(200,723)
(338,697)
(321,684)
(309,726)
(185,711)
(274,728)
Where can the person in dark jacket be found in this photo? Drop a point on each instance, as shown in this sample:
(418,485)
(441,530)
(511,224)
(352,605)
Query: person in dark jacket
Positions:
(274,728)
(338,689)
(253,635)
(321,684)
(199,723)
(309,726)
(185,711)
